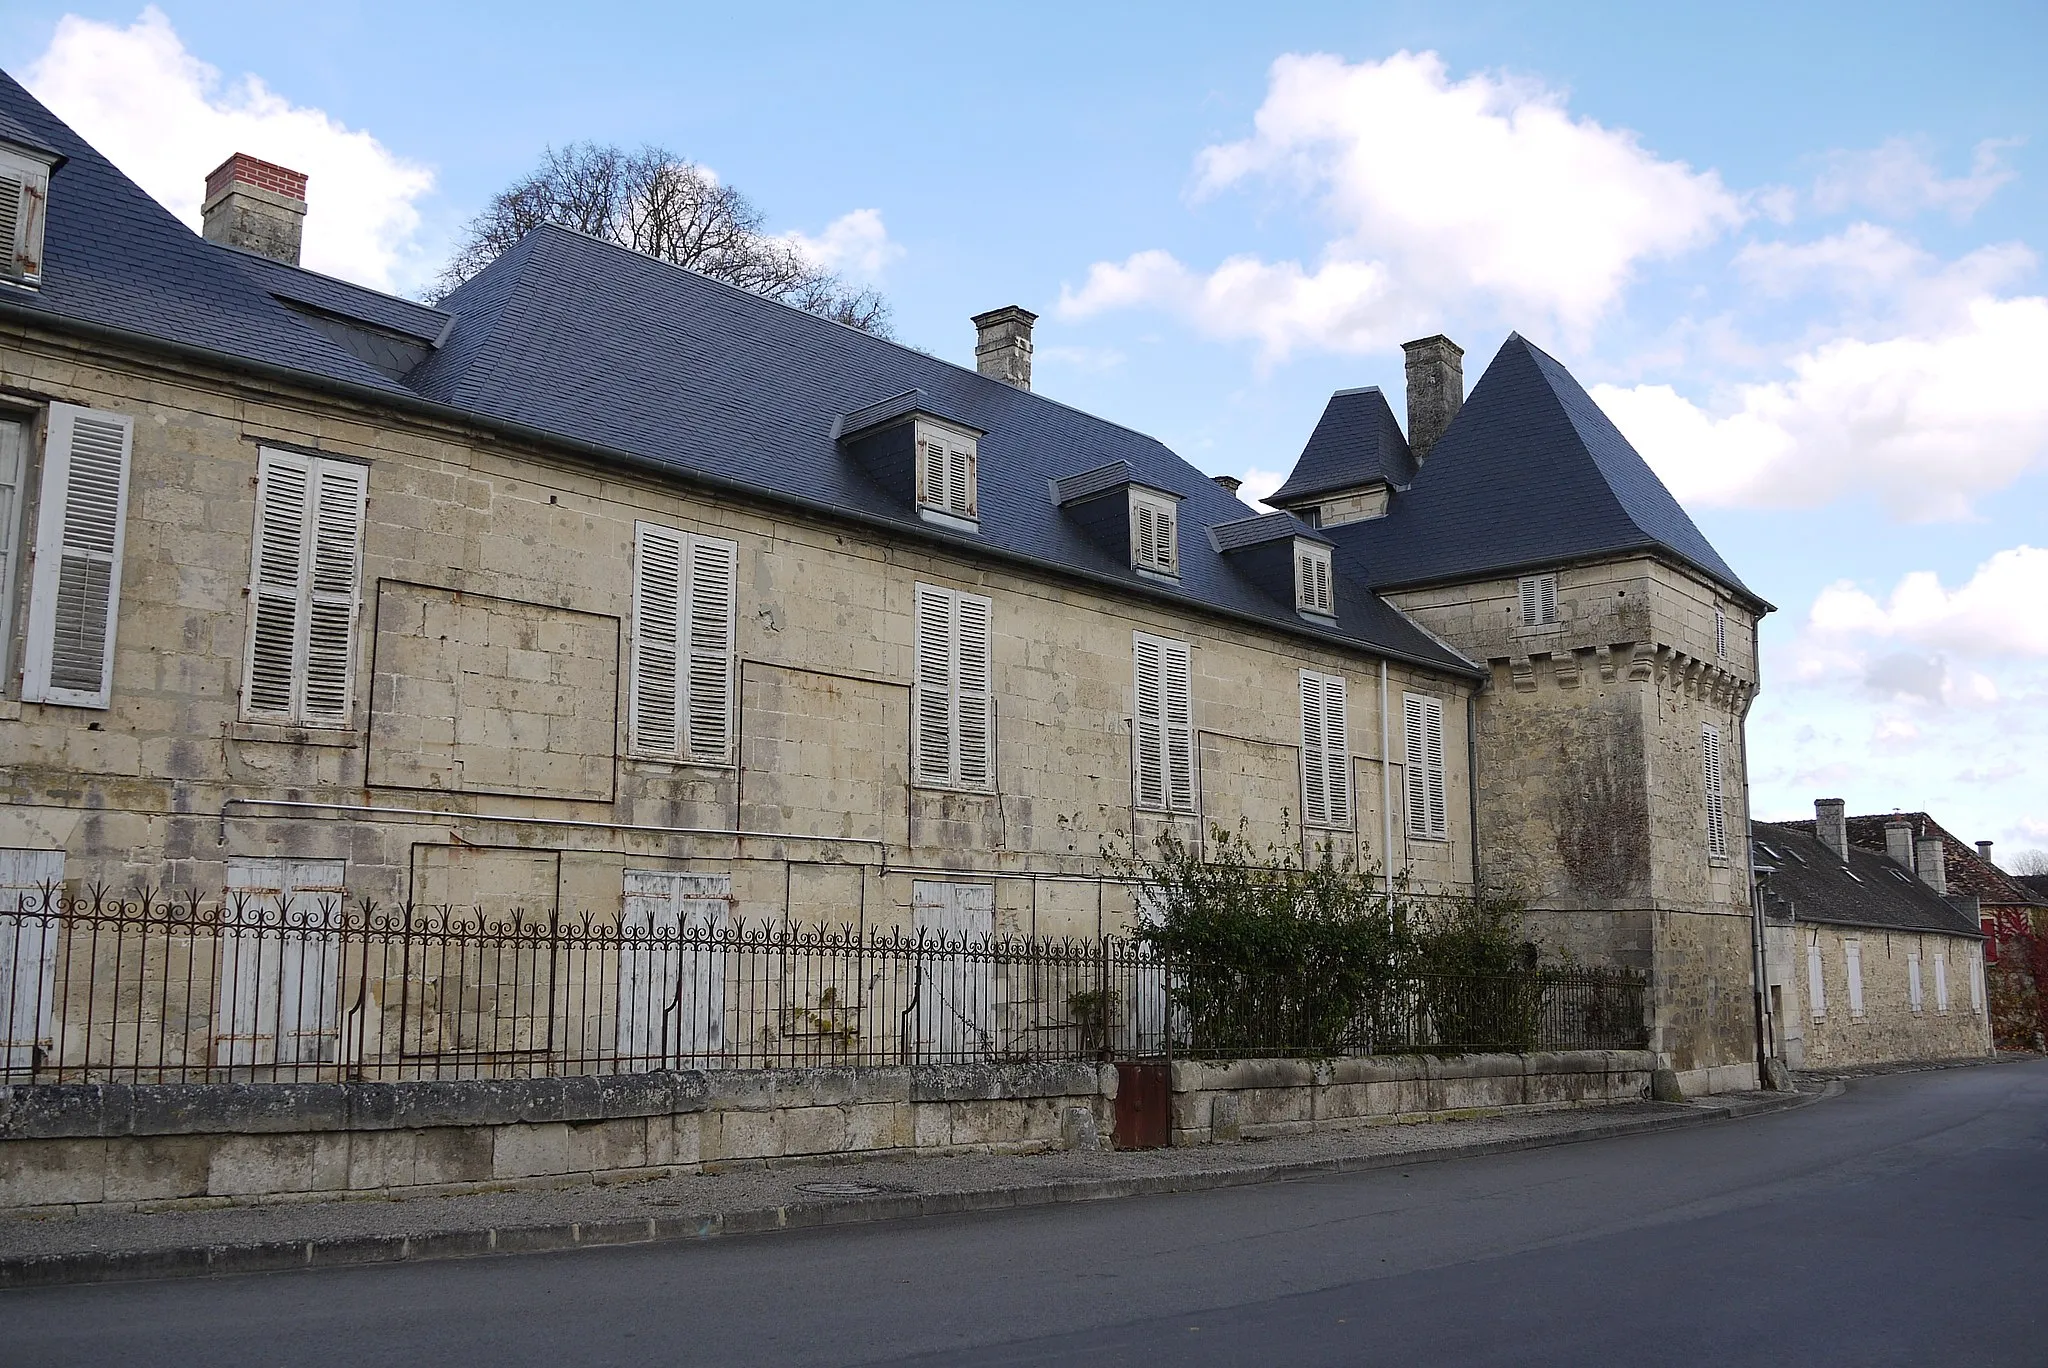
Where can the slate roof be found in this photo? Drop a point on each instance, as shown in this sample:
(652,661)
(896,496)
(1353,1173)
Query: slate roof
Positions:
(1969,874)
(1236,536)
(344,299)
(604,348)
(1870,890)
(1071,489)
(1529,473)
(2036,884)
(1356,442)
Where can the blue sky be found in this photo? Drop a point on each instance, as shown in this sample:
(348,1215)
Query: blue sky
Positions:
(1792,249)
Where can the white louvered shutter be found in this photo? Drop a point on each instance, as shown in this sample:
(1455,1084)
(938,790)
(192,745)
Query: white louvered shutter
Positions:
(74,596)
(1976,983)
(333,590)
(1439,800)
(1913,982)
(1337,750)
(934,466)
(959,482)
(13,480)
(975,706)
(658,595)
(1852,961)
(1816,984)
(1148,723)
(1324,603)
(1710,761)
(1720,634)
(1315,780)
(24,193)
(283,491)
(1177,709)
(1940,981)
(714,574)
(1530,611)
(932,685)
(1428,811)
(1148,533)
(1546,599)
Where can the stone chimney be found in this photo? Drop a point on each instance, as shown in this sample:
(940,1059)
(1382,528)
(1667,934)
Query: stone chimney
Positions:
(1898,841)
(1231,484)
(1934,864)
(256,206)
(1002,345)
(1984,852)
(1436,390)
(1831,825)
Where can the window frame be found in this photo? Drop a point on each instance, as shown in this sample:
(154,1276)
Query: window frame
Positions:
(1172,738)
(1326,751)
(1536,596)
(960,472)
(55,544)
(21,254)
(305,593)
(1714,785)
(1423,777)
(953,684)
(1315,579)
(1161,507)
(1720,632)
(684,648)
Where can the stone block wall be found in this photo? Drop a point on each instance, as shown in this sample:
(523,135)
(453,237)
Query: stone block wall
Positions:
(1888,1029)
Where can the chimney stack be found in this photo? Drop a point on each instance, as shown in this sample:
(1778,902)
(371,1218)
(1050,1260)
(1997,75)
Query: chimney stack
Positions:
(1898,841)
(1934,864)
(256,206)
(1436,390)
(1984,852)
(1831,825)
(1231,484)
(1002,345)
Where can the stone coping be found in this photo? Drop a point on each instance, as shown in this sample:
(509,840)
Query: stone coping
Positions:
(49,1111)
(1195,1075)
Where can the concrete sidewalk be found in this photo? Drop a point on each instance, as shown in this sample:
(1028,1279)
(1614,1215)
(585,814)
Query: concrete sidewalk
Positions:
(103,1247)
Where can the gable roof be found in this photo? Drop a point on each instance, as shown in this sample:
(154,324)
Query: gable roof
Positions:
(2036,884)
(1355,443)
(1529,473)
(1969,874)
(1802,877)
(622,357)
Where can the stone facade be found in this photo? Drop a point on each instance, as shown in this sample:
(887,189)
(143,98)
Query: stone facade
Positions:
(1591,792)
(1828,1030)
(487,718)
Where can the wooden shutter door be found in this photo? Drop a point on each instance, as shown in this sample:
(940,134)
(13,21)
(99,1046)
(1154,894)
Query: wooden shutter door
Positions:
(956,994)
(1148,727)
(28,953)
(75,594)
(1913,982)
(284,492)
(714,574)
(1315,786)
(932,685)
(1852,961)
(975,709)
(1337,749)
(1415,773)
(648,961)
(1177,714)
(1940,981)
(333,590)
(658,591)
(1816,984)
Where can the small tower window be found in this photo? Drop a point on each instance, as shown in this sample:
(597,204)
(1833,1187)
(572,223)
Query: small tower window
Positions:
(1155,541)
(1539,600)
(1720,632)
(1313,592)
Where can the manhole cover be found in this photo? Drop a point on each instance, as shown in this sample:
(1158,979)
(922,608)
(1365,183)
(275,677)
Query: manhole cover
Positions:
(838,1189)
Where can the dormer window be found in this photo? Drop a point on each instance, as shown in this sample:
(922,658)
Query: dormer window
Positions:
(24,193)
(1539,600)
(1312,592)
(1155,538)
(945,473)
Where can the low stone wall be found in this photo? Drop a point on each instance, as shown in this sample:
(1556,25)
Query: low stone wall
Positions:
(205,1144)
(1253,1097)
(98,1145)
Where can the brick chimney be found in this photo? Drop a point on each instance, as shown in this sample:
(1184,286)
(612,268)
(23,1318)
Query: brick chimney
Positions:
(1831,825)
(256,206)
(1934,864)
(1898,841)
(1002,345)
(1436,390)
(1231,484)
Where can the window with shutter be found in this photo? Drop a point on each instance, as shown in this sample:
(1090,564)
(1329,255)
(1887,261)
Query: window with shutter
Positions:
(1162,724)
(305,589)
(1154,545)
(1816,984)
(1720,633)
(1940,981)
(279,1002)
(1539,600)
(1325,751)
(1428,802)
(1976,984)
(1710,767)
(952,703)
(1852,964)
(24,195)
(1313,592)
(28,954)
(13,481)
(945,472)
(75,590)
(671,979)
(1913,982)
(685,592)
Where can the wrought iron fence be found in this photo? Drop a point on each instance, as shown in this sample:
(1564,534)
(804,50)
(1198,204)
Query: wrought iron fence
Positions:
(154,988)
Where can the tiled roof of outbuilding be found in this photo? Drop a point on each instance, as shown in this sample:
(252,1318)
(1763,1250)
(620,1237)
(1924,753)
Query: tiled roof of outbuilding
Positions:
(605,348)
(1968,873)
(1529,473)
(1869,890)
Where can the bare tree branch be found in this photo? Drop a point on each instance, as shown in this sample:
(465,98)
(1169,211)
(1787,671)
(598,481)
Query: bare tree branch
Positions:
(656,202)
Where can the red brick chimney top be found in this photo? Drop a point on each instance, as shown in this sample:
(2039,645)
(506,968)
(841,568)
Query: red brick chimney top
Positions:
(264,175)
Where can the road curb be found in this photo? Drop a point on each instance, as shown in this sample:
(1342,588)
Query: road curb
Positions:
(270,1256)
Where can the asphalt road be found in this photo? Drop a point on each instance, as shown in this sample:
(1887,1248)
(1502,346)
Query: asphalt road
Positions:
(1905,1222)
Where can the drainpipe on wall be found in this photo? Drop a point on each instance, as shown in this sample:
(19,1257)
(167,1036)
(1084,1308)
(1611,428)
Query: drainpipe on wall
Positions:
(1472,783)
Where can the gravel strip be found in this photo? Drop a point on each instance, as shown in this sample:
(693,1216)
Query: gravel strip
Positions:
(755,1188)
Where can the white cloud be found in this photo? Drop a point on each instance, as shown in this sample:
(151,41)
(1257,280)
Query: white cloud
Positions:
(1258,484)
(1899,178)
(1928,420)
(1095,360)
(166,118)
(1484,187)
(2001,611)
(855,244)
